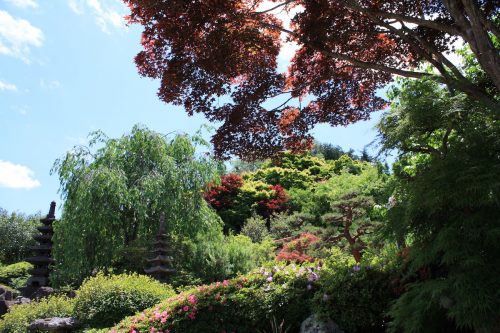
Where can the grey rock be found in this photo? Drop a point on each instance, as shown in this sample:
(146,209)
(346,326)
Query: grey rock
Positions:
(22,300)
(316,324)
(4,307)
(42,292)
(56,324)
(8,295)
(5,294)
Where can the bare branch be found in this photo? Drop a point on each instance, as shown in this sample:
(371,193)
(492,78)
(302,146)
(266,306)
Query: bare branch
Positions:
(275,7)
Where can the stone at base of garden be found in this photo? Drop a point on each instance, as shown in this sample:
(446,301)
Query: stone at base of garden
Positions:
(36,292)
(42,292)
(56,325)
(315,324)
(22,300)
(6,300)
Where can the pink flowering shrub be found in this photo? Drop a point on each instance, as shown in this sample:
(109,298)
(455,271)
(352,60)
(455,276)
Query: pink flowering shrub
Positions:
(244,304)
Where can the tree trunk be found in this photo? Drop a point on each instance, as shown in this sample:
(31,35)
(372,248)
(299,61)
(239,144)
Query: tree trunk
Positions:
(469,20)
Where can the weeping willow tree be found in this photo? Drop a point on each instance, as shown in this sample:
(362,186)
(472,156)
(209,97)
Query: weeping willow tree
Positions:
(115,191)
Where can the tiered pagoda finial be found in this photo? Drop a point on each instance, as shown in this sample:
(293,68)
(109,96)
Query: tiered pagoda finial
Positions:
(161,265)
(42,259)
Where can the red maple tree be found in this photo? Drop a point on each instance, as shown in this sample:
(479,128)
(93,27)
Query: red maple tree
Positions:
(235,206)
(219,58)
(295,250)
(222,196)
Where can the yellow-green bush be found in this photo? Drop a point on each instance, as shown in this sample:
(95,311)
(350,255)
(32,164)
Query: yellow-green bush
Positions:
(20,316)
(15,275)
(103,300)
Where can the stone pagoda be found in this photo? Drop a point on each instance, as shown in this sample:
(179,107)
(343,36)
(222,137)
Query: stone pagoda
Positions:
(42,254)
(161,265)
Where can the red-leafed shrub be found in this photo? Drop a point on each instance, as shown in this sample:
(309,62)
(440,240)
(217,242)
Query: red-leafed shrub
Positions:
(235,200)
(275,203)
(296,249)
(223,196)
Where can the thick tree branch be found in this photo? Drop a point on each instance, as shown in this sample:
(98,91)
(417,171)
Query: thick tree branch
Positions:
(468,17)
(353,61)
(438,55)
(421,22)
(459,83)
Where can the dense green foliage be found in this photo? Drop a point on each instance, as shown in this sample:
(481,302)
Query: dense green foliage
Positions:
(446,208)
(15,275)
(357,295)
(103,301)
(20,316)
(17,235)
(114,195)
(213,257)
(255,228)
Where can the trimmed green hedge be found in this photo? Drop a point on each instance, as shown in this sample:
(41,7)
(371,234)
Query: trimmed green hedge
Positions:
(102,301)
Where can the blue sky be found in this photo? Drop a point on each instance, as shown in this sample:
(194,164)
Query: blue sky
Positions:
(66,69)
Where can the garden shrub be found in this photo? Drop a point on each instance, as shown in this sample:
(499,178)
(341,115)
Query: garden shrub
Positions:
(217,257)
(235,199)
(244,304)
(255,228)
(356,296)
(20,316)
(103,300)
(284,225)
(96,330)
(15,275)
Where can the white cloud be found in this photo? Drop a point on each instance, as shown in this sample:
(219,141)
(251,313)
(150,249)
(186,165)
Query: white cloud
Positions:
(24,3)
(54,84)
(75,6)
(17,36)
(7,86)
(108,14)
(16,176)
